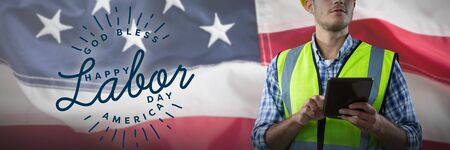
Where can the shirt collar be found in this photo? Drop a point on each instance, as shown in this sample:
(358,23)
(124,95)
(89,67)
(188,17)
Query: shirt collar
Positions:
(345,47)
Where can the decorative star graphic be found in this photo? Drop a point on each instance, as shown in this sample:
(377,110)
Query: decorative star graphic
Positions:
(217,31)
(170,3)
(101,4)
(133,39)
(52,26)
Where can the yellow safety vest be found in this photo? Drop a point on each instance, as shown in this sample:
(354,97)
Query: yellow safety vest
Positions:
(298,80)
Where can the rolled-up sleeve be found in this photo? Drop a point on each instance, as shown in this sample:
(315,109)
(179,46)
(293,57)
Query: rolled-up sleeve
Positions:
(399,108)
(270,109)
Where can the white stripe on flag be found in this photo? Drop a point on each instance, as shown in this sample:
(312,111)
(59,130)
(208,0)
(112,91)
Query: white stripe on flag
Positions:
(418,16)
(431,102)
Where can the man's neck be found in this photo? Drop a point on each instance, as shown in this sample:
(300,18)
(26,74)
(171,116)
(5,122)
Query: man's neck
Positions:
(329,42)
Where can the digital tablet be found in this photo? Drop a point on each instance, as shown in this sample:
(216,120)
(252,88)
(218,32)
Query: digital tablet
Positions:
(341,92)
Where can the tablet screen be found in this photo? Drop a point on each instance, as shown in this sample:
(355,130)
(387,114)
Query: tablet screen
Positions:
(341,92)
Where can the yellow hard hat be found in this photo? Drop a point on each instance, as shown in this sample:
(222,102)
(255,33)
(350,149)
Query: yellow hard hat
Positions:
(303,2)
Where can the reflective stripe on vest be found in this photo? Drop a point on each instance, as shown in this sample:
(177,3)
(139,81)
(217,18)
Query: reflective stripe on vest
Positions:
(298,80)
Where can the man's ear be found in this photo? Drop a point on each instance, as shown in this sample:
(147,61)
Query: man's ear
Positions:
(309,6)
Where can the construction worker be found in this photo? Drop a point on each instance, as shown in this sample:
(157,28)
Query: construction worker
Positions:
(291,110)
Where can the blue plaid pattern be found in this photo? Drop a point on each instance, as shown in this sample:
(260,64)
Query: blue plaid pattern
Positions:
(398,105)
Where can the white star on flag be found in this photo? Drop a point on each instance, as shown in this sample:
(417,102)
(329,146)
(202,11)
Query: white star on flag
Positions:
(133,39)
(217,31)
(101,4)
(170,3)
(52,26)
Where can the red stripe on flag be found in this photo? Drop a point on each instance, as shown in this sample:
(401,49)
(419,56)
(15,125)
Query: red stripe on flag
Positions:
(431,145)
(422,54)
(186,133)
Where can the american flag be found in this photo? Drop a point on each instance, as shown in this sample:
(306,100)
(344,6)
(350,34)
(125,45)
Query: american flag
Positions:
(226,44)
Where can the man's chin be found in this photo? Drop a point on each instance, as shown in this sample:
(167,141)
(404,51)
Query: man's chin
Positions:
(336,26)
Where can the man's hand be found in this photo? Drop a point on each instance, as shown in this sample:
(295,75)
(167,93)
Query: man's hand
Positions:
(365,117)
(280,135)
(362,115)
(312,109)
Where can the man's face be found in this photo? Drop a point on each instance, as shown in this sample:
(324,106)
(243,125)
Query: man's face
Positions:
(332,15)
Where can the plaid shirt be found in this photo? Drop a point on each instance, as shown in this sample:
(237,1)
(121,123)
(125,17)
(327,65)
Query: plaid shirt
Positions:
(398,107)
